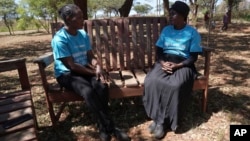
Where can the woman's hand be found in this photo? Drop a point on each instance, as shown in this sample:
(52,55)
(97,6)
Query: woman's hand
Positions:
(169,67)
(101,75)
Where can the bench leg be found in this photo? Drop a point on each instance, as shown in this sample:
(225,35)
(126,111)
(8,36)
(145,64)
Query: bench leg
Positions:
(204,100)
(51,113)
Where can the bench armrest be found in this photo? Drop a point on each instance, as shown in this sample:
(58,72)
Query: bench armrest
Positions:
(11,64)
(19,65)
(45,60)
(208,49)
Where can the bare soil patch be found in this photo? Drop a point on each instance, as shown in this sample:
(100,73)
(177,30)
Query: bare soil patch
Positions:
(228,99)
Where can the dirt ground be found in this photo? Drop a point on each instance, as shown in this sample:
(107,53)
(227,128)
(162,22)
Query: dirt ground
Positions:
(228,96)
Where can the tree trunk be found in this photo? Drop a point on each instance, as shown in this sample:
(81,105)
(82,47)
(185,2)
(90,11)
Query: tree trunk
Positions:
(230,6)
(166,6)
(83,6)
(6,24)
(125,9)
(194,10)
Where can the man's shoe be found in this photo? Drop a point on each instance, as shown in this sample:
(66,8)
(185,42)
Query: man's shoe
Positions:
(159,132)
(120,135)
(105,136)
(151,127)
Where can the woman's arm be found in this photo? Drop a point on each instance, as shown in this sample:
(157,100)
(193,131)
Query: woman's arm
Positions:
(191,60)
(92,59)
(77,68)
(169,67)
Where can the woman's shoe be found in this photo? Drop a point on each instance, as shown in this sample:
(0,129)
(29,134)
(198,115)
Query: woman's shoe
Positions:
(151,127)
(159,131)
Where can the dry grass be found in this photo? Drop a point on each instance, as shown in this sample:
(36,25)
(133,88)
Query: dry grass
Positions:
(228,99)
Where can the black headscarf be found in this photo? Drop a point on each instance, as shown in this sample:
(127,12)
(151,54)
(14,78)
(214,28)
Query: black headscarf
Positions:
(181,8)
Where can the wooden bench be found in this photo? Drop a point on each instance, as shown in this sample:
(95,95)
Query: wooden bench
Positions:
(126,48)
(17,103)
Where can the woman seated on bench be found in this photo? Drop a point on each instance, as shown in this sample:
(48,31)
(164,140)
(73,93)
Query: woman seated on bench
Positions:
(77,69)
(171,79)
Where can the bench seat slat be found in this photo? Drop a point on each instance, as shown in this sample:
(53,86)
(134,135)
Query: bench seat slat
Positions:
(26,124)
(12,100)
(116,92)
(57,96)
(24,135)
(140,75)
(15,106)
(13,94)
(129,79)
(14,114)
(115,79)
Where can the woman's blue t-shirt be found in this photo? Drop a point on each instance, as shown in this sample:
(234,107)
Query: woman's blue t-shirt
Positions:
(65,45)
(179,42)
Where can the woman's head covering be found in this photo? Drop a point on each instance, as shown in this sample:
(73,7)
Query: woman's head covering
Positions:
(181,8)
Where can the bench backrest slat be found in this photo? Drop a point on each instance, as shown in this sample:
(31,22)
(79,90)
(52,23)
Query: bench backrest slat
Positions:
(124,43)
(120,30)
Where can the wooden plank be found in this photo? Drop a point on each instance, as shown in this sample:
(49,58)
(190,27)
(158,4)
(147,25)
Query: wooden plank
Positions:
(155,36)
(24,125)
(45,59)
(149,47)
(115,79)
(134,42)
(89,28)
(113,44)
(140,76)
(126,37)
(141,53)
(120,30)
(59,96)
(200,84)
(13,94)
(24,135)
(105,44)
(98,41)
(14,114)
(15,99)
(15,106)
(129,79)
(11,64)
(117,92)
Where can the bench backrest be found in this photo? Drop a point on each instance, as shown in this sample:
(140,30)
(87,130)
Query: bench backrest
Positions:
(125,43)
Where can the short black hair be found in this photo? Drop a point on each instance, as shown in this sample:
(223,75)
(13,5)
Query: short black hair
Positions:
(181,8)
(67,11)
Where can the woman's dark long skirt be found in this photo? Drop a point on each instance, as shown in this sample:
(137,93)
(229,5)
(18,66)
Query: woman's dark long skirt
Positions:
(163,93)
